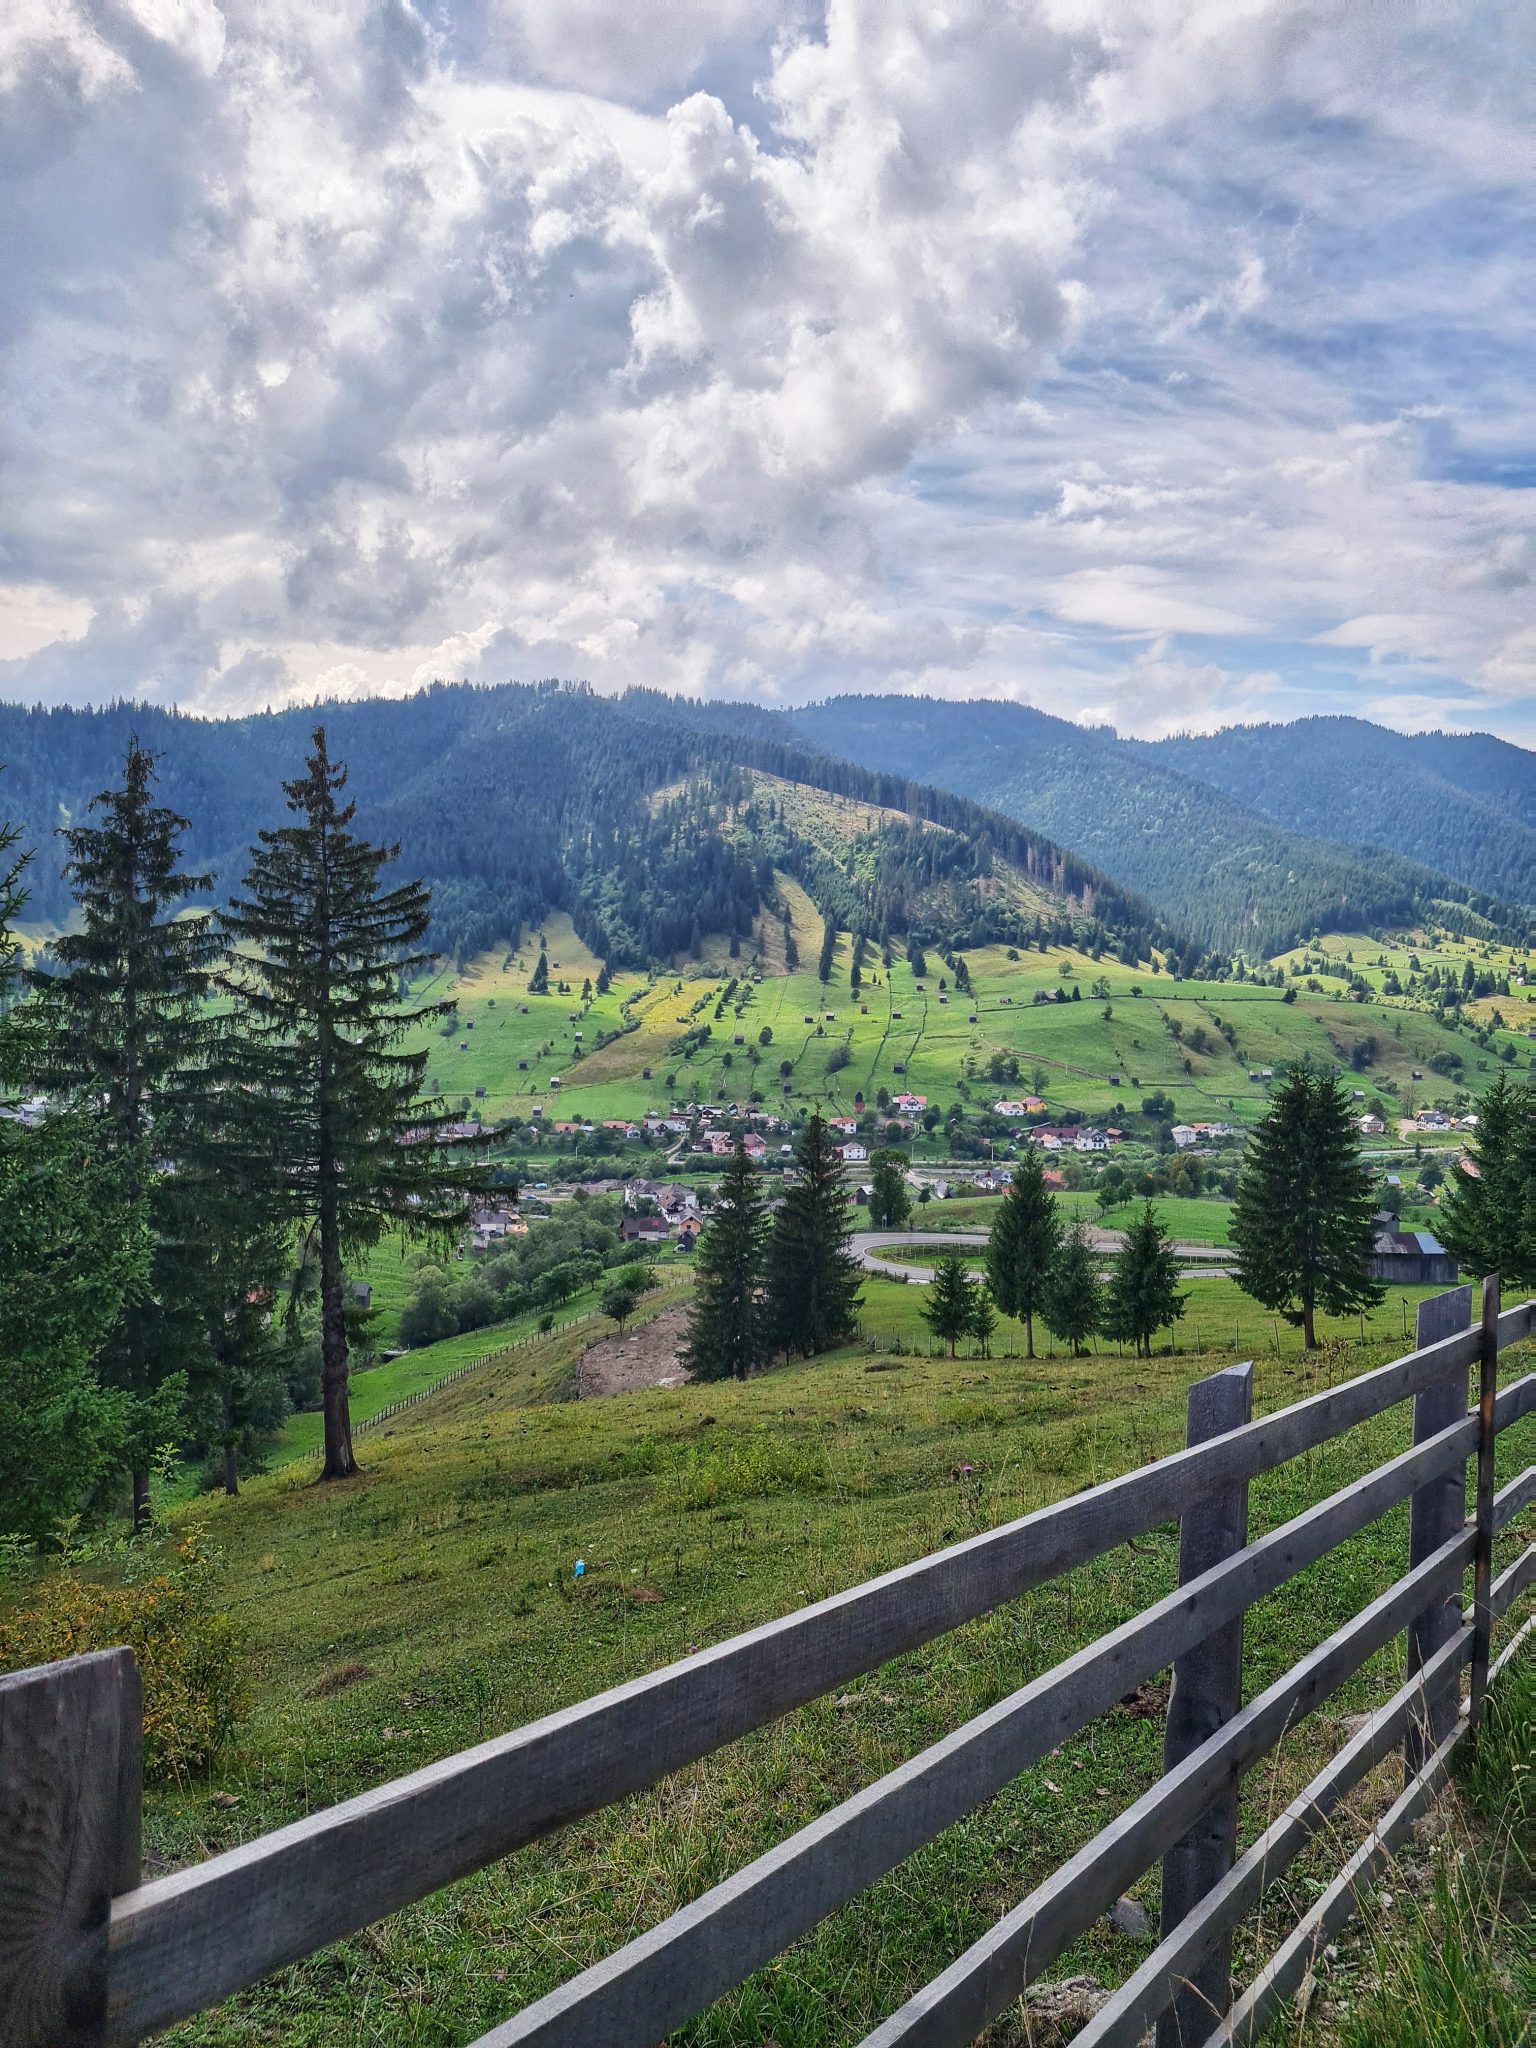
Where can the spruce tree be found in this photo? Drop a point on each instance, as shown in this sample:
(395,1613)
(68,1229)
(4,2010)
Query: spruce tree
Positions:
(1022,1244)
(538,981)
(950,1307)
(354,1148)
(1143,1295)
(123,1027)
(73,1249)
(890,1203)
(728,1334)
(983,1317)
(828,951)
(1073,1305)
(1301,1221)
(1486,1213)
(812,1275)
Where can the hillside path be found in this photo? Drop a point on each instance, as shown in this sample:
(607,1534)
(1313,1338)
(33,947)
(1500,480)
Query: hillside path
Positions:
(645,1356)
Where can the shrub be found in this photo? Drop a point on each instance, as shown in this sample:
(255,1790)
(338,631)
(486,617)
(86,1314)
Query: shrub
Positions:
(189,1652)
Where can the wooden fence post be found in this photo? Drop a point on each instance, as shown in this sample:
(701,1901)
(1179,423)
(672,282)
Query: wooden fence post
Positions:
(1437,1511)
(1207,1691)
(1482,1556)
(70,1801)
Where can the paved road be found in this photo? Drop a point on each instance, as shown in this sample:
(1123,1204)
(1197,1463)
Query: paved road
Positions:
(1200,1259)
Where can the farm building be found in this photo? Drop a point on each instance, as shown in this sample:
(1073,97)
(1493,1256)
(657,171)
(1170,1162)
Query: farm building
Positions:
(1409,1257)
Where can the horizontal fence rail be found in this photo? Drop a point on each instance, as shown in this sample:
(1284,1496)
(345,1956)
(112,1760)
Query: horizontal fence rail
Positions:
(172,1947)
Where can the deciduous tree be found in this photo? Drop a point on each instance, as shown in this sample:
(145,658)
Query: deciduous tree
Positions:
(890,1203)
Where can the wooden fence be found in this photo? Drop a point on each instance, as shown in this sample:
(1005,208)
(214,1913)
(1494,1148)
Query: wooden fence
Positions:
(89,1954)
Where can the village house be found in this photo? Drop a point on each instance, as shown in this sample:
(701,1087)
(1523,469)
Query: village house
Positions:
(1184,1135)
(755,1146)
(645,1230)
(914,1105)
(1370,1126)
(852,1153)
(848,1125)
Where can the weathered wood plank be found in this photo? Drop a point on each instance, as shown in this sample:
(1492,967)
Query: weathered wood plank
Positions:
(1510,1584)
(69,1838)
(1512,1649)
(1122,2022)
(664,1977)
(1513,1499)
(1207,1691)
(1437,1512)
(290,1892)
(953,2009)
(1482,1555)
(1282,1975)
(1514,1402)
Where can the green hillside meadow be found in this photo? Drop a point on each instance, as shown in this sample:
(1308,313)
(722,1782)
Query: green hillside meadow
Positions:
(517,1046)
(431,1602)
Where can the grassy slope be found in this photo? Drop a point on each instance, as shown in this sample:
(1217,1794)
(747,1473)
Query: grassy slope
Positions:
(445,1570)
(1068,1052)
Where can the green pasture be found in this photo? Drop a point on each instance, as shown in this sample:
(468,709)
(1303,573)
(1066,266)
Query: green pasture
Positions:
(430,1603)
(1160,1035)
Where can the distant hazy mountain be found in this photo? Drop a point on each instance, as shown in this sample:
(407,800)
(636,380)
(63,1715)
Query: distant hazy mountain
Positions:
(1463,803)
(652,821)
(1232,872)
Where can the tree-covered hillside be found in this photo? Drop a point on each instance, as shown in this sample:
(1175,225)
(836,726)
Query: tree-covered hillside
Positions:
(648,824)
(1210,863)
(1462,802)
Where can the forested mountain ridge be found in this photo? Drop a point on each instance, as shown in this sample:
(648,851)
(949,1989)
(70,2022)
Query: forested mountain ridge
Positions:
(522,799)
(1212,864)
(1462,802)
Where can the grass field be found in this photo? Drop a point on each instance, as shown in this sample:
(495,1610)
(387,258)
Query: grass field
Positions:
(430,1602)
(1158,1034)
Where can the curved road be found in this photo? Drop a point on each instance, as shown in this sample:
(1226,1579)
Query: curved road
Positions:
(1211,1261)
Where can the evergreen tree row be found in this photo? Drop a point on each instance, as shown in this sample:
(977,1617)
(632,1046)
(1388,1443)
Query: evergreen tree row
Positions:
(231,1115)
(789,1286)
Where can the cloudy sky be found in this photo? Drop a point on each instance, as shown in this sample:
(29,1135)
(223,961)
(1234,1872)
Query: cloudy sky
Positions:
(1168,362)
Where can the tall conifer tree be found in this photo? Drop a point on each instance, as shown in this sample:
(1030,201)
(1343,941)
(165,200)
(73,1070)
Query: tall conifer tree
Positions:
(728,1335)
(1073,1305)
(812,1275)
(1488,1211)
(1302,1218)
(1022,1245)
(355,1149)
(124,1027)
(1143,1295)
(949,1309)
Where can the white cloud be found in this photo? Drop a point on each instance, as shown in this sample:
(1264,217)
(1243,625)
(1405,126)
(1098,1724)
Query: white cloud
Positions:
(1067,349)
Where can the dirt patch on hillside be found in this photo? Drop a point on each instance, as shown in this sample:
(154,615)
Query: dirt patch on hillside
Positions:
(645,1356)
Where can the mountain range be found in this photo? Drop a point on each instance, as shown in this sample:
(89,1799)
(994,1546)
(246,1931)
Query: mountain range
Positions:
(655,820)
(648,821)
(1250,839)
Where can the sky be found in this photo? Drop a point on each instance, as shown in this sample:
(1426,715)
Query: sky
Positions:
(1166,363)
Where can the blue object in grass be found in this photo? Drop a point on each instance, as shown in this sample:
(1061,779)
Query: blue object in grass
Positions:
(580,1571)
